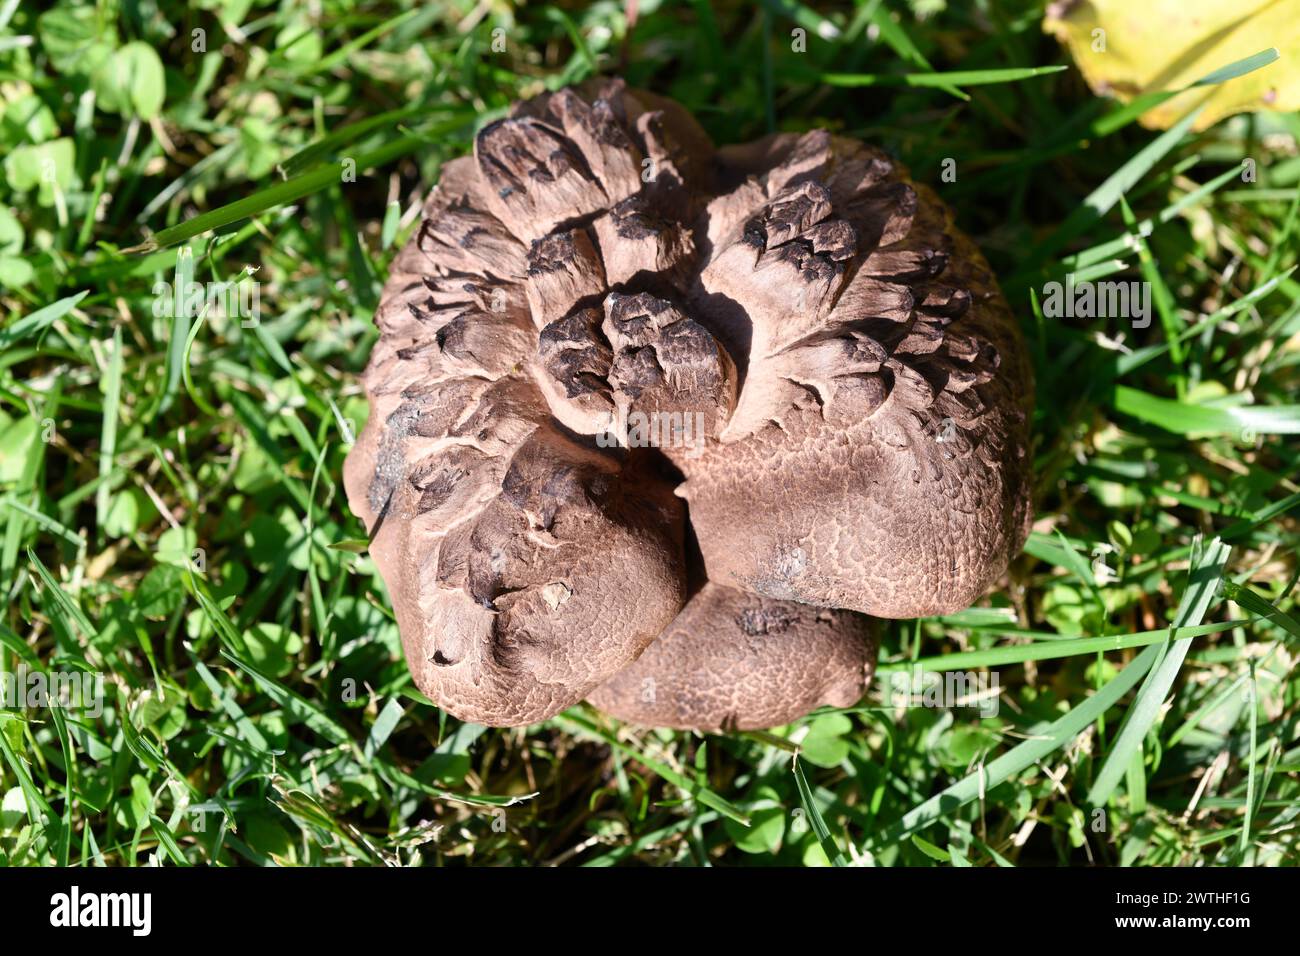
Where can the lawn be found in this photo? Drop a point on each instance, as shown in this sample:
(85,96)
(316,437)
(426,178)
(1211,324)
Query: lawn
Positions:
(176,546)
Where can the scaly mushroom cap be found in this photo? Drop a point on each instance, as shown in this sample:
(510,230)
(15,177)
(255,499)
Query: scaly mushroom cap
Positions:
(736,661)
(598,305)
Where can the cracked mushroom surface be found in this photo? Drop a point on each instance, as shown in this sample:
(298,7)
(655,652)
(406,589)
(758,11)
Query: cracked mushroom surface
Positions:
(643,410)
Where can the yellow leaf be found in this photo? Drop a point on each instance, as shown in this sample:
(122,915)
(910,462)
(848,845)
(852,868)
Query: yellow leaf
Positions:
(1128,47)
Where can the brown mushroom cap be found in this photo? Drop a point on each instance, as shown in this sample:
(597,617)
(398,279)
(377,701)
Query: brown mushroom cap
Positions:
(794,326)
(737,661)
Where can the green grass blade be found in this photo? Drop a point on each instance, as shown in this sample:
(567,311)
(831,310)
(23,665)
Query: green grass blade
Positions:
(1256,603)
(1252,703)
(1185,418)
(278,195)
(1203,580)
(898,40)
(108,431)
(820,829)
(39,320)
(955,78)
(1240,67)
(177,344)
(1056,649)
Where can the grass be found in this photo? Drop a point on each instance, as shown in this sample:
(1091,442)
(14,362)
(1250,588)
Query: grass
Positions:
(172,518)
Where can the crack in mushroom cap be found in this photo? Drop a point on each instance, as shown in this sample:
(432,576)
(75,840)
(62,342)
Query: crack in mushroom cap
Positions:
(860,384)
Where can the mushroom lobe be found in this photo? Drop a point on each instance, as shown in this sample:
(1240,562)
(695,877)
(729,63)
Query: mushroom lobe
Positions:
(602,324)
(737,661)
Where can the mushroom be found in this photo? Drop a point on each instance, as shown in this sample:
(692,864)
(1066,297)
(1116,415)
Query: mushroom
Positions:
(604,326)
